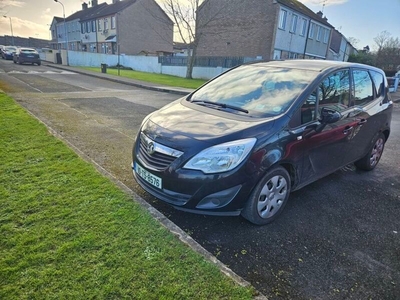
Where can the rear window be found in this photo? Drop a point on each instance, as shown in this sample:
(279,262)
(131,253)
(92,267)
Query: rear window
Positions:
(28,51)
(262,91)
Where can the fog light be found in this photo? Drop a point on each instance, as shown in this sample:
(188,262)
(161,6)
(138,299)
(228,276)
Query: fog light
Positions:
(219,199)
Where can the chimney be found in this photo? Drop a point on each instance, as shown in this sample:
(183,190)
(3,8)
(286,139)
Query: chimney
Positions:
(320,14)
(115,1)
(94,2)
(84,6)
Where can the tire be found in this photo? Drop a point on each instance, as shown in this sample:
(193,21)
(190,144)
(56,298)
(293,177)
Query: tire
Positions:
(19,62)
(14,61)
(39,63)
(268,198)
(371,160)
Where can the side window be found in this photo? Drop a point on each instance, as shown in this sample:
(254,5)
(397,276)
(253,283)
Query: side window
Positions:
(308,108)
(363,88)
(335,91)
(379,82)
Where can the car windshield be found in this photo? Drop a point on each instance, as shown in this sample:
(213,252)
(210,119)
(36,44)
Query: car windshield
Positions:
(11,48)
(262,91)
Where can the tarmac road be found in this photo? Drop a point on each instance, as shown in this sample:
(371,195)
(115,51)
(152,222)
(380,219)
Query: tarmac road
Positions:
(339,238)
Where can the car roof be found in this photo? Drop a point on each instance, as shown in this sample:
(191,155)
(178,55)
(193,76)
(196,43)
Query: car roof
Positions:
(311,64)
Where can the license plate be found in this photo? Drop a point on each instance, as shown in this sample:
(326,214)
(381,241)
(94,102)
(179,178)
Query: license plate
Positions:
(29,56)
(150,178)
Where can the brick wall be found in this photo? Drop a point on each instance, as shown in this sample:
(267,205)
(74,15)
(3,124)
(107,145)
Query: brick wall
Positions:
(144,27)
(237,28)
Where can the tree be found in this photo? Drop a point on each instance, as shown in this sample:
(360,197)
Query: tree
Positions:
(185,15)
(381,39)
(353,41)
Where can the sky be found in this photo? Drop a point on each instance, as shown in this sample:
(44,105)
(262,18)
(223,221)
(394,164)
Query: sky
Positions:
(359,19)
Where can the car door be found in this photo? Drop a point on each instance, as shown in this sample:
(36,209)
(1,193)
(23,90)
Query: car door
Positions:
(324,146)
(368,112)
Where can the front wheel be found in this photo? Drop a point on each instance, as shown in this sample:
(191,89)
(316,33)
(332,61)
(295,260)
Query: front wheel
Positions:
(268,198)
(369,161)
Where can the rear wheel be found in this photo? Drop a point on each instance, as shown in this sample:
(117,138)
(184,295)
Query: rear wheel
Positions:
(268,198)
(370,161)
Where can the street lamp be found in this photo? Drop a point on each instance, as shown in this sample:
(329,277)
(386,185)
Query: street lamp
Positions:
(65,30)
(12,34)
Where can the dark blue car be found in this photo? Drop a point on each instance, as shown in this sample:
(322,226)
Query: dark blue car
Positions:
(8,52)
(243,141)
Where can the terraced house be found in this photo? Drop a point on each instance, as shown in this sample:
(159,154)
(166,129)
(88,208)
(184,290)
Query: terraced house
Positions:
(268,29)
(136,26)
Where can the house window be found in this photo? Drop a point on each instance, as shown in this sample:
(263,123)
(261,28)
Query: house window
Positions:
(113,22)
(319,33)
(282,19)
(326,36)
(93,26)
(99,25)
(87,26)
(312,29)
(105,24)
(304,27)
(294,24)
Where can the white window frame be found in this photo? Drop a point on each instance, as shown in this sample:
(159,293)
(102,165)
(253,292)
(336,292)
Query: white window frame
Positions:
(113,22)
(293,26)
(304,27)
(319,33)
(282,19)
(326,36)
(312,29)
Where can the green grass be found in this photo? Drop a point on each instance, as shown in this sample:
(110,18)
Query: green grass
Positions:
(67,232)
(153,77)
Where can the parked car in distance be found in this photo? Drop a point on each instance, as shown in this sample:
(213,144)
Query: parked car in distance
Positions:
(247,138)
(26,55)
(8,52)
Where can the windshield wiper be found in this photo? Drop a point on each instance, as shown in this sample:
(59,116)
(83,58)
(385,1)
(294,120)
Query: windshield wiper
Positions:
(222,105)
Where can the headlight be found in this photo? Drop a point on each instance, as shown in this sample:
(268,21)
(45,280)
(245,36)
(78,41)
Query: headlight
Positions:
(221,158)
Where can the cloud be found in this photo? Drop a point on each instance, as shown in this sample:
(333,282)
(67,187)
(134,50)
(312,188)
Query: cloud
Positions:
(24,28)
(7,3)
(321,2)
(46,14)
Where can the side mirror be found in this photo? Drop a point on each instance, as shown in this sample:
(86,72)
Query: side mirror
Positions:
(329,116)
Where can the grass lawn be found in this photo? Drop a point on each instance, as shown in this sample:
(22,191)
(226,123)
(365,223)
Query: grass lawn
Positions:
(153,77)
(67,232)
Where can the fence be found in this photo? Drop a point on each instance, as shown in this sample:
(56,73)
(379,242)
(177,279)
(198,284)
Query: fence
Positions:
(205,67)
(224,62)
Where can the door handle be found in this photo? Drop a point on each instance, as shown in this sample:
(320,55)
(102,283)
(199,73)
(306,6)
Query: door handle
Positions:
(362,122)
(348,130)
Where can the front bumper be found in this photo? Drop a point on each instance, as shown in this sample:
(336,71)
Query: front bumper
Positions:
(202,194)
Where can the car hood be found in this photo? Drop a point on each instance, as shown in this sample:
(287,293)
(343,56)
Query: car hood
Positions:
(180,122)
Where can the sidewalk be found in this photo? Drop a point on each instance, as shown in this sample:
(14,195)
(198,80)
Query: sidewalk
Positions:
(148,85)
(123,80)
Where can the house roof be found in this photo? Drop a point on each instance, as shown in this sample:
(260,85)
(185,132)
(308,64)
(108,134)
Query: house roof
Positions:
(108,9)
(84,12)
(300,7)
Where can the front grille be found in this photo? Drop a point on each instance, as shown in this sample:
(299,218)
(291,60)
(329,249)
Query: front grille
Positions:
(160,158)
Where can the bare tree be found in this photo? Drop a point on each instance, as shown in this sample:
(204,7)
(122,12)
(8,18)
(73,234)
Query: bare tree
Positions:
(189,28)
(183,13)
(353,41)
(381,39)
